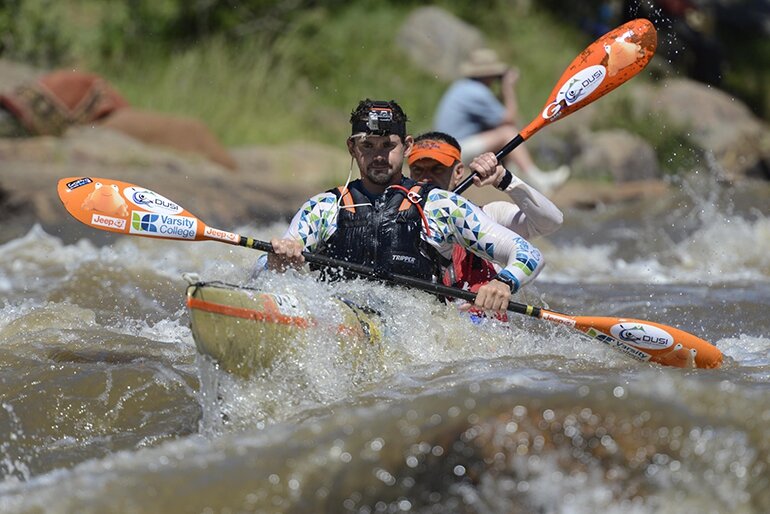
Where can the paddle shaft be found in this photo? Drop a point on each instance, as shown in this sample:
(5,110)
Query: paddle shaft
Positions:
(365,271)
(104,204)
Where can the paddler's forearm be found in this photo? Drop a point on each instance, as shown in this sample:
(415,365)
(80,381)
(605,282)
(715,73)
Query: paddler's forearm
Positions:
(542,216)
(455,220)
(524,264)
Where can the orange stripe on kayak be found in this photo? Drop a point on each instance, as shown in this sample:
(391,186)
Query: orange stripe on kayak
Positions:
(240,312)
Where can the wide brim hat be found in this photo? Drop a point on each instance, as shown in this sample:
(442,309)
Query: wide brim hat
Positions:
(483,62)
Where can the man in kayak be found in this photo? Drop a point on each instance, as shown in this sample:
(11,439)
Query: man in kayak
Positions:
(435,157)
(393,224)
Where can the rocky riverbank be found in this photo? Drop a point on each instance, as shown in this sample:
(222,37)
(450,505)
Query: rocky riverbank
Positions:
(609,165)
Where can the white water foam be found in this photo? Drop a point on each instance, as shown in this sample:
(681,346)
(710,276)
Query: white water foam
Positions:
(709,244)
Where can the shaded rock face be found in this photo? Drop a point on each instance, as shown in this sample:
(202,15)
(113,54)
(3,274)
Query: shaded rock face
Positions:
(735,143)
(616,154)
(272,182)
(13,74)
(718,123)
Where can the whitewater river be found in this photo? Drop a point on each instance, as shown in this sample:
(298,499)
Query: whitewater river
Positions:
(105,405)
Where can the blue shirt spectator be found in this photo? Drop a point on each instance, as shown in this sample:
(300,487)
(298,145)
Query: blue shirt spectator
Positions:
(472,113)
(467,108)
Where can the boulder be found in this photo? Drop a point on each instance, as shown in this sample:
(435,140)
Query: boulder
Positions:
(14,74)
(437,41)
(717,123)
(270,185)
(735,143)
(616,154)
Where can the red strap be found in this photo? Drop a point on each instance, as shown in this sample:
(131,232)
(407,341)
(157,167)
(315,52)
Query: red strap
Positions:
(268,314)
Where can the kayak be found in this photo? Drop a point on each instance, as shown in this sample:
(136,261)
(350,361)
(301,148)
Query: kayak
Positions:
(244,330)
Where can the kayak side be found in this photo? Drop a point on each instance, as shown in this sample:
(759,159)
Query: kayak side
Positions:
(244,330)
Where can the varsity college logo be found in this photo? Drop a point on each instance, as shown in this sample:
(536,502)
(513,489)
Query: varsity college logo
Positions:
(161,225)
(144,223)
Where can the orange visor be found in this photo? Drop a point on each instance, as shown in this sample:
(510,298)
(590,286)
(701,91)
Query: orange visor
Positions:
(440,151)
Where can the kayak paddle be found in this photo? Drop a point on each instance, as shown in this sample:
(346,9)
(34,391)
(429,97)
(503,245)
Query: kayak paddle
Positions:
(605,64)
(116,206)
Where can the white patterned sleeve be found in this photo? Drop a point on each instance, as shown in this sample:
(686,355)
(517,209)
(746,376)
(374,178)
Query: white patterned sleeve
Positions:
(315,221)
(453,219)
(531,214)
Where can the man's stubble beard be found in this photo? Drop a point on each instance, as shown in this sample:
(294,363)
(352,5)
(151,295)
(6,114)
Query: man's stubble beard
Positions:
(381,177)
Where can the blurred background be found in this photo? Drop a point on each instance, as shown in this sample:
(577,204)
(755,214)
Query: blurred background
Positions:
(263,89)
(268,71)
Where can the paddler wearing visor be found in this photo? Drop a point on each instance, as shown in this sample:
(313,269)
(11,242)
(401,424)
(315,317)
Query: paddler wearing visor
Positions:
(394,224)
(436,157)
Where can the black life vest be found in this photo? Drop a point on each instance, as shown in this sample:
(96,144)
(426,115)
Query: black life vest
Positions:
(385,234)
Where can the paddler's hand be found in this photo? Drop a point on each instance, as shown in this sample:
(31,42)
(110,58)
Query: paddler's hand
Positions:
(489,171)
(493,296)
(287,253)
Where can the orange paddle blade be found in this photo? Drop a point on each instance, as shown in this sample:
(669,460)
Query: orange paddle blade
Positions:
(117,206)
(645,340)
(605,64)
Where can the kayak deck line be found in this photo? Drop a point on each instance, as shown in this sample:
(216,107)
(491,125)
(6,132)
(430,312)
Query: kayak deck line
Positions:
(267,315)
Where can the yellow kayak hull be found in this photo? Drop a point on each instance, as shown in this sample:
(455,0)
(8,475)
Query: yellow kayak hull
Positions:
(245,330)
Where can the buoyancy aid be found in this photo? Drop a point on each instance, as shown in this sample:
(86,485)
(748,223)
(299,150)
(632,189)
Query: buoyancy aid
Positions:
(469,271)
(384,234)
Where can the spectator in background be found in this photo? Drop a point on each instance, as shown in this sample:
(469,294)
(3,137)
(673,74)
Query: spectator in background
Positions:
(471,112)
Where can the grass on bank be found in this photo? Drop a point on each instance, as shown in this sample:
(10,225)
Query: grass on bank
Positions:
(300,84)
(304,84)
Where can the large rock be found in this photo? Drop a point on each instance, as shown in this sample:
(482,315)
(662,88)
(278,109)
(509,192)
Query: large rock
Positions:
(735,143)
(271,184)
(716,122)
(615,154)
(438,41)
(14,74)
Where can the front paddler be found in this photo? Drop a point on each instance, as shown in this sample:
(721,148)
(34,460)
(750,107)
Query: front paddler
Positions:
(392,224)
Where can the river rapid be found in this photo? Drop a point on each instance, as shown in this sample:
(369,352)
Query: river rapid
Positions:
(105,405)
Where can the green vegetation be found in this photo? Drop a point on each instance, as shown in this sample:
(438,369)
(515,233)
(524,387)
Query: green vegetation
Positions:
(282,75)
(272,71)
(303,82)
